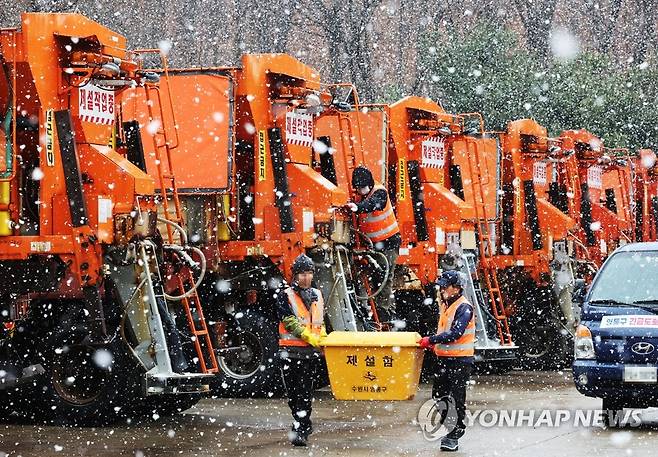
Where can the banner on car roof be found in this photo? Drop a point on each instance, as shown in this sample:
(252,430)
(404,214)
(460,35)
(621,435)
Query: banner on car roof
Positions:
(630,321)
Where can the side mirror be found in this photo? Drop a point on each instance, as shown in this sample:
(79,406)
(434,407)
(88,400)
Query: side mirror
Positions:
(580,289)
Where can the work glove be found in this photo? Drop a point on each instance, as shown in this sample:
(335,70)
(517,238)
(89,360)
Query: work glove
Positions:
(291,323)
(424,342)
(311,338)
(351,206)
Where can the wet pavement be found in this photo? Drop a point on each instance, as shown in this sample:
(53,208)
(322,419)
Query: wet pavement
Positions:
(259,427)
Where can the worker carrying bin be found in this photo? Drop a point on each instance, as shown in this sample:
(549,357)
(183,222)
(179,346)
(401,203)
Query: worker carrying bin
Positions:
(454,345)
(373,365)
(301,311)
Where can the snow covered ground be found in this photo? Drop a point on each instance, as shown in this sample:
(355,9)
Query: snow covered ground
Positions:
(259,427)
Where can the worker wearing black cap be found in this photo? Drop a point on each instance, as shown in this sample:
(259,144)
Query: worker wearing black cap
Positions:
(454,345)
(301,327)
(377,221)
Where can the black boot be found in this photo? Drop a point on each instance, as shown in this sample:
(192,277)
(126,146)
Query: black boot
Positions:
(456,432)
(298,438)
(449,444)
(300,432)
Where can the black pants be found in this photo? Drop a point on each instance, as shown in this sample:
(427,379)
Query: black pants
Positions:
(450,380)
(298,377)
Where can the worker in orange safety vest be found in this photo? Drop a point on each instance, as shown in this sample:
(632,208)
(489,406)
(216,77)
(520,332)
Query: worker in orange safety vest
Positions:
(454,346)
(301,328)
(377,222)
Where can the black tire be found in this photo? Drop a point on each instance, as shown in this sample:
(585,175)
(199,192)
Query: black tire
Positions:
(79,387)
(549,349)
(253,371)
(544,343)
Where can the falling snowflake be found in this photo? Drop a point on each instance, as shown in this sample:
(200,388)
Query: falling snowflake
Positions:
(565,46)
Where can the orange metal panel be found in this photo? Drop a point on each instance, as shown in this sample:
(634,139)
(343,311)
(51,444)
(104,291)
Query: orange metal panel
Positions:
(422,259)
(21,247)
(316,192)
(444,211)
(198,120)
(446,208)
(113,174)
(484,175)
(646,190)
(557,223)
(356,139)
(257,67)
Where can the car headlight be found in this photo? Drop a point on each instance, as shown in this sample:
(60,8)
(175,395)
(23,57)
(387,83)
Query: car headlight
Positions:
(583,344)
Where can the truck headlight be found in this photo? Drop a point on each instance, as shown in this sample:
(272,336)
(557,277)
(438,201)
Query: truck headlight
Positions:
(583,344)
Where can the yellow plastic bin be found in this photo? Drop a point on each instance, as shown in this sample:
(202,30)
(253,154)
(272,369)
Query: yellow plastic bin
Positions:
(373,365)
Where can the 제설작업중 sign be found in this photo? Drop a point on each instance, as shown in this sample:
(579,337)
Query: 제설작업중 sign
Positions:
(539,173)
(299,128)
(96,105)
(433,153)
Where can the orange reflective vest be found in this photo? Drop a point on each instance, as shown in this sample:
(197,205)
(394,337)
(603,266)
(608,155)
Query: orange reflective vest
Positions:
(464,346)
(379,224)
(312,320)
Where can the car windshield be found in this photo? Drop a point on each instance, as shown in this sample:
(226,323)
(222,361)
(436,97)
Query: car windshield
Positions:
(628,277)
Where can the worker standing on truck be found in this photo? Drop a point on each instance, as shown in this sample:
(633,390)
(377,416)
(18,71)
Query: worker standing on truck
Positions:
(301,327)
(454,345)
(377,221)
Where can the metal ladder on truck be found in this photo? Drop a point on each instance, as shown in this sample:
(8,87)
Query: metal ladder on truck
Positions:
(346,308)
(174,221)
(487,349)
(486,248)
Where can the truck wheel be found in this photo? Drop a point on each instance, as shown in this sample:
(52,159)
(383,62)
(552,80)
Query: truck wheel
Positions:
(251,369)
(83,385)
(547,349)
(543,341)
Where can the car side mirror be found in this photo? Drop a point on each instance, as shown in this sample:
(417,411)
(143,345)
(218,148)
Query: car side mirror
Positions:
(580,289)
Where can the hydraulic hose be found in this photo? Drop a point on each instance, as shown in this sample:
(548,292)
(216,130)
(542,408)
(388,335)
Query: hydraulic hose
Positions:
(178,228)
(387,269)
(368,252)
(182,250)
(202,275)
